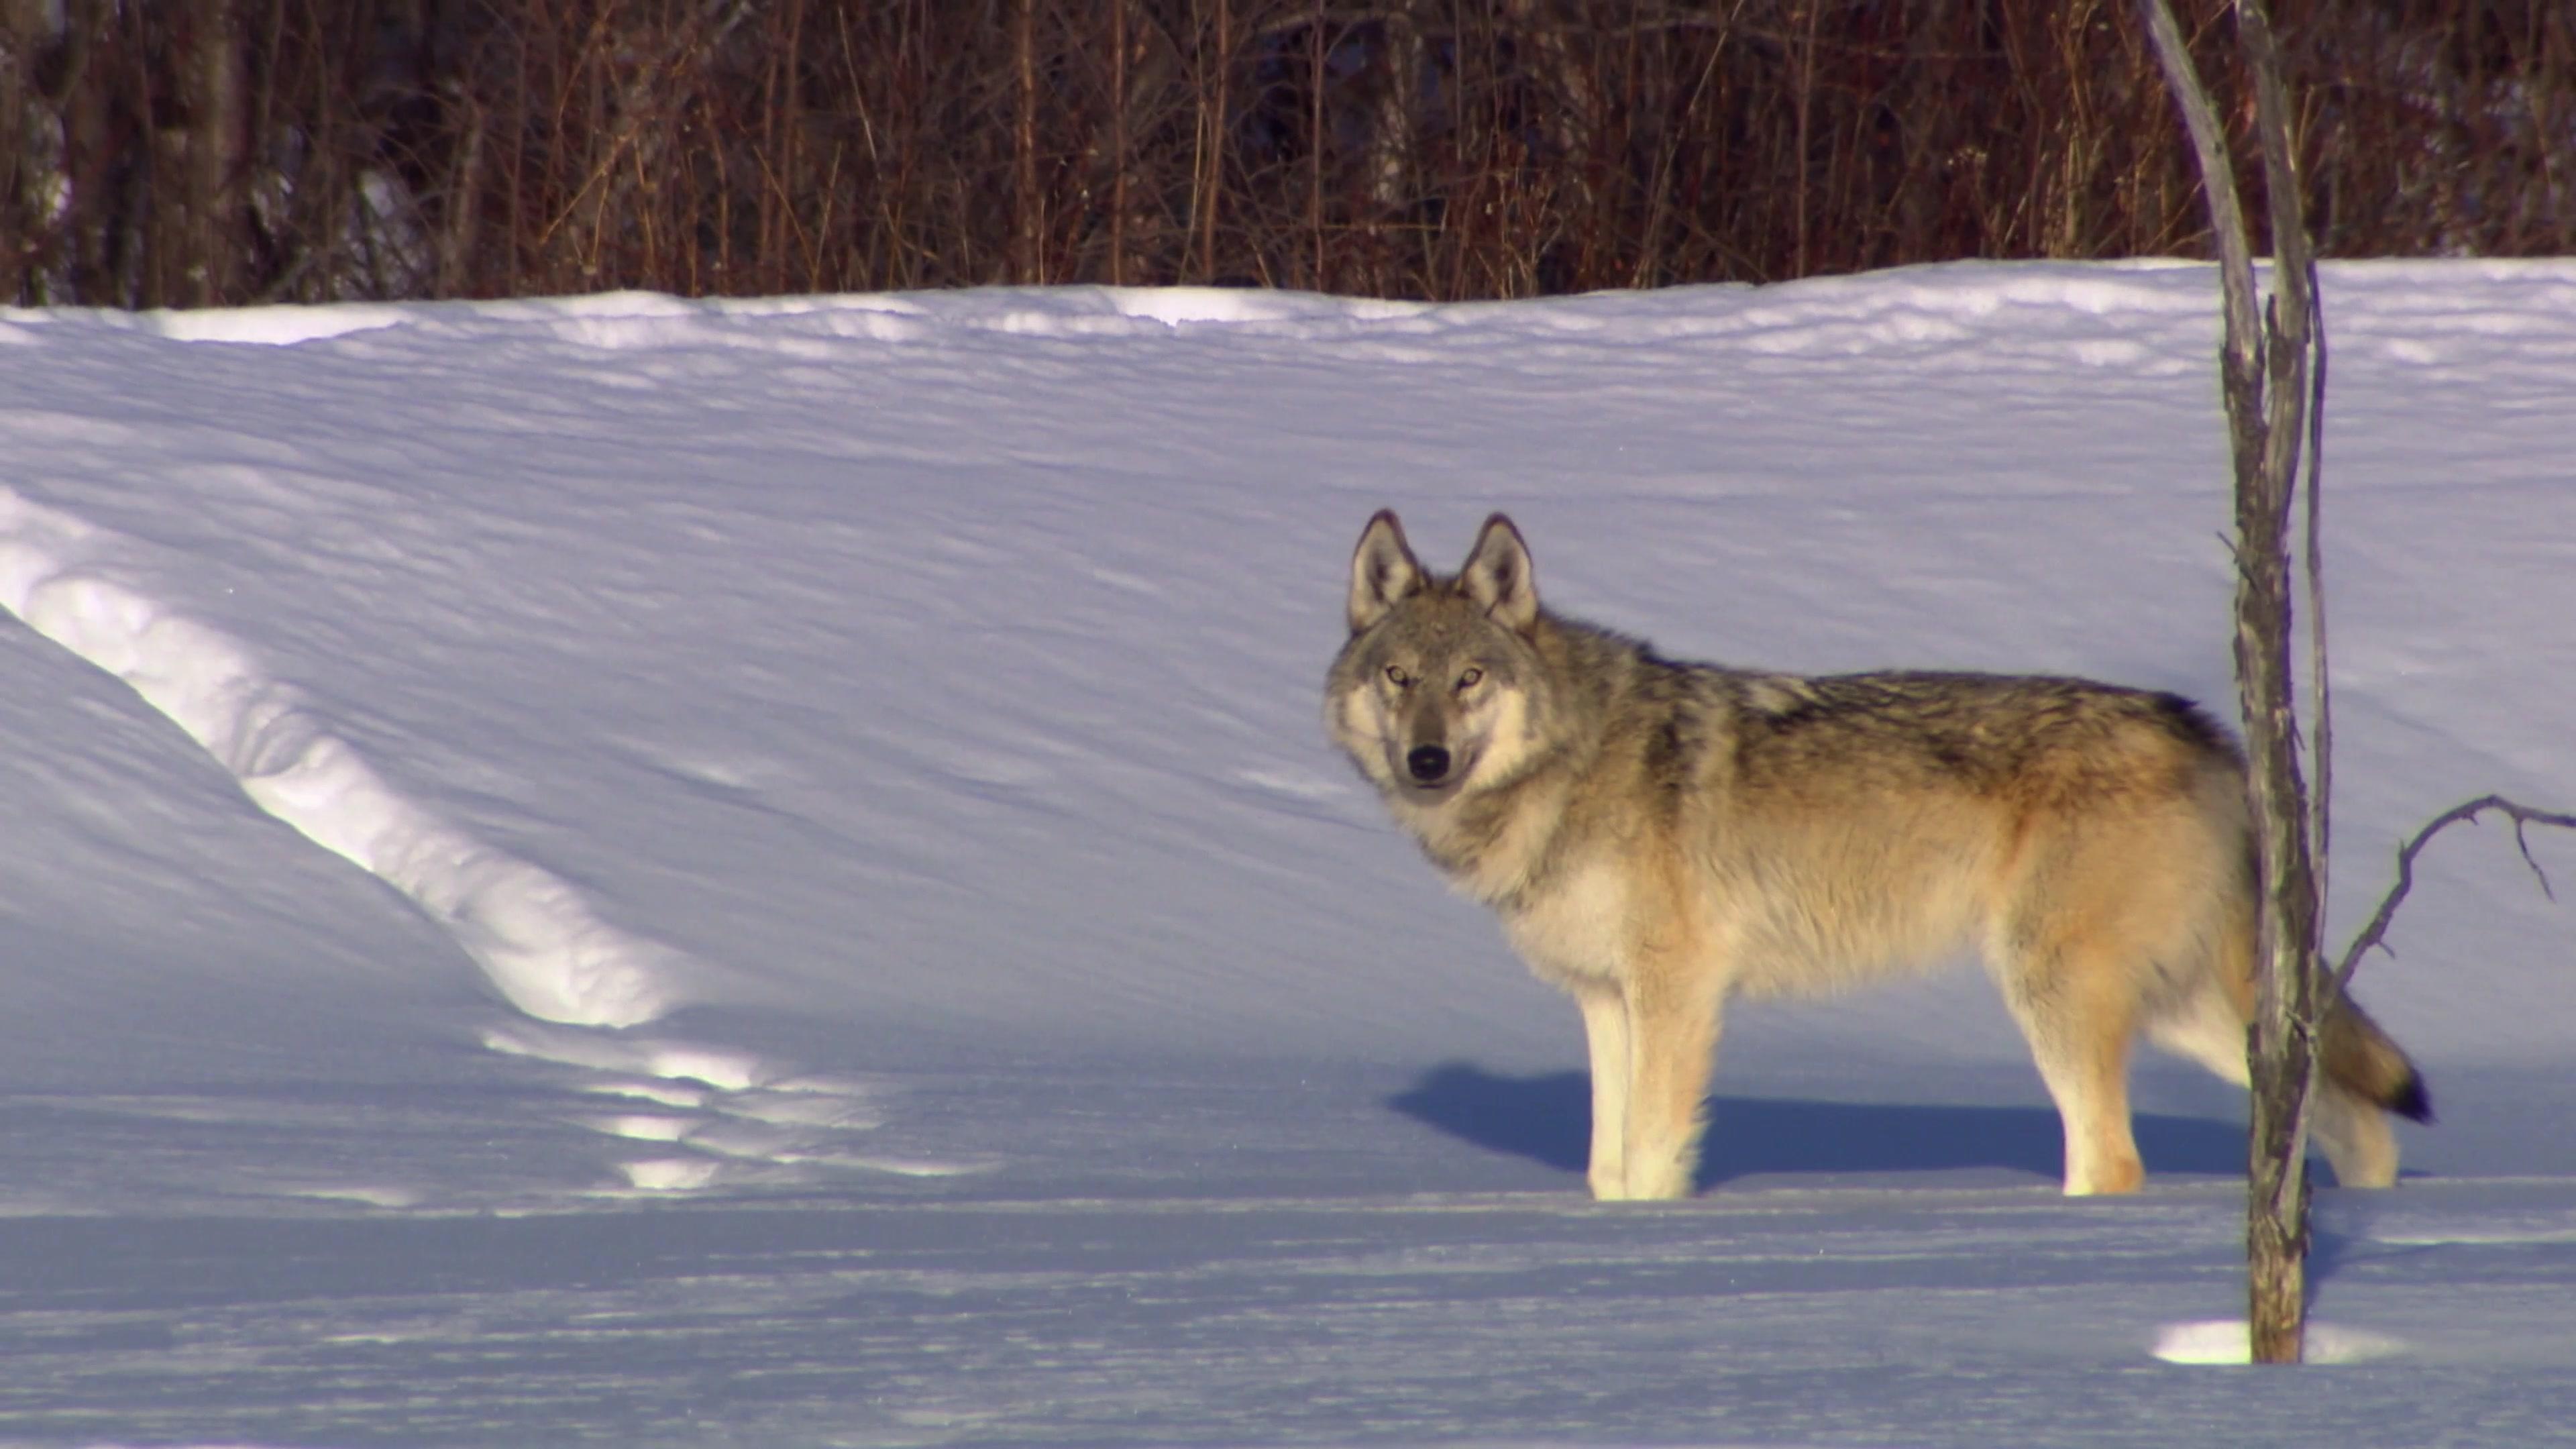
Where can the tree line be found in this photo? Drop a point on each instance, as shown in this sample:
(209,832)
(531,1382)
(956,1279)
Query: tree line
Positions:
(205,152)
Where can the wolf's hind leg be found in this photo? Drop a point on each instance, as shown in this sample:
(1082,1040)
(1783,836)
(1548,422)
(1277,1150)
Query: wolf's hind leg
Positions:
(2352,1130)
(1605,1034)
(2355,1135)
(2207,1027)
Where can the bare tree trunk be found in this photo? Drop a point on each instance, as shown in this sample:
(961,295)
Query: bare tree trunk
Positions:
(1029,263)
(1216,107)
(1315,145)
(2264,367)
(1119,103)
(463,203)
(1392,136)
(1806,96)
(215,143)
(34,135)
(1554,49)
(2288,1013)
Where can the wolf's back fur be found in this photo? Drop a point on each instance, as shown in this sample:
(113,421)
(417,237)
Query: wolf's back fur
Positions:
(1659,836)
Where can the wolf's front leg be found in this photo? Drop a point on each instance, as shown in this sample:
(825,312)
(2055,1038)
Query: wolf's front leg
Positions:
(1672,1033)
(1605,1035)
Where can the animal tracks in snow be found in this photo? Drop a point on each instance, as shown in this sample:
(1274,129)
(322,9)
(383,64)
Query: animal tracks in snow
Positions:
(557,1118)
(536,939)
(720,1117)
(696,1117)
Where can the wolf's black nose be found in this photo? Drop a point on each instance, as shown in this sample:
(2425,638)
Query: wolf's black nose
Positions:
(1427,762)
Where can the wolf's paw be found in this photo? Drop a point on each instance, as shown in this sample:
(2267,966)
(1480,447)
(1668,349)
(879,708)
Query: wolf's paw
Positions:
(2106,1179)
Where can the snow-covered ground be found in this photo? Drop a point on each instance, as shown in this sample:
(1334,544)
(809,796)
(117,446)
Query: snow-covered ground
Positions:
(645,872)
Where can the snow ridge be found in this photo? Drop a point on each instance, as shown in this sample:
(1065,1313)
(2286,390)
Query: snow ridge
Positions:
(533,935)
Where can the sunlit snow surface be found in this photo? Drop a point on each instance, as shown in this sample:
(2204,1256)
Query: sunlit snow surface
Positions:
(635,871)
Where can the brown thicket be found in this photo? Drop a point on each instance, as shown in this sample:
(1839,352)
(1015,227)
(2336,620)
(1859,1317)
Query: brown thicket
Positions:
(186,152)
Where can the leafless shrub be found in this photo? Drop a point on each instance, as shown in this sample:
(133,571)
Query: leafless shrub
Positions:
(195,151)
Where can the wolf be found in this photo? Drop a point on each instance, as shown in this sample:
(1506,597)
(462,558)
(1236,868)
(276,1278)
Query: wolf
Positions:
(1659,837)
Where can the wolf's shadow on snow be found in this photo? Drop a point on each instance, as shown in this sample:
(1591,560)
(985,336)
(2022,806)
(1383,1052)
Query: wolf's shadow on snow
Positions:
(1548,1119)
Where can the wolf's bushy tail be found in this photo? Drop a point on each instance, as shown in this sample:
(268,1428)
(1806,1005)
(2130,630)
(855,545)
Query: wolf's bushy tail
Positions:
(2353,1053)
(2361,1059)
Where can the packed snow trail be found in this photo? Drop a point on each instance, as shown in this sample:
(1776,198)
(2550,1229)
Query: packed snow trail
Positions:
(541,946)
(720,1117)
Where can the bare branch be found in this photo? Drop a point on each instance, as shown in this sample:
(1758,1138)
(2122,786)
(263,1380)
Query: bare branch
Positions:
(2218,181)
(2376,933)
(2321,749)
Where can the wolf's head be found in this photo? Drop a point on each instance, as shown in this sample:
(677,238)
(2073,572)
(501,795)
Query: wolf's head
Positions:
(1438,690)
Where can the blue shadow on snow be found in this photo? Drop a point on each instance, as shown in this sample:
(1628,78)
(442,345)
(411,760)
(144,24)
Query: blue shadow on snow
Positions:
(1548,1119)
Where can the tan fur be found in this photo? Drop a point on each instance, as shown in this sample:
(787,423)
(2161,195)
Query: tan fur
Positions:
(1659,837)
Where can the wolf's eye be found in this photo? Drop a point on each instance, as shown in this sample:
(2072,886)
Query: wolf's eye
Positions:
(1469,679)
(1398,677)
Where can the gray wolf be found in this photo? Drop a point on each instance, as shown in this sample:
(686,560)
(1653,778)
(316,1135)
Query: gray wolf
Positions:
(1659,837)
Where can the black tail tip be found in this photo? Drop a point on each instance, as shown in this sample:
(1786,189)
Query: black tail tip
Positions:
(2411,1100)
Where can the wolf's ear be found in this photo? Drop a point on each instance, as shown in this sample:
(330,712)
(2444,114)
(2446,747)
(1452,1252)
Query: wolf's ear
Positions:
(1498,577)
(1383,570)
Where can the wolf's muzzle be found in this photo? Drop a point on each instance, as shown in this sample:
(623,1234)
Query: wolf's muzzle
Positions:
(1428,764)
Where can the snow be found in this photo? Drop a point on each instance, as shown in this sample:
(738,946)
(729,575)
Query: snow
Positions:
(766,872)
